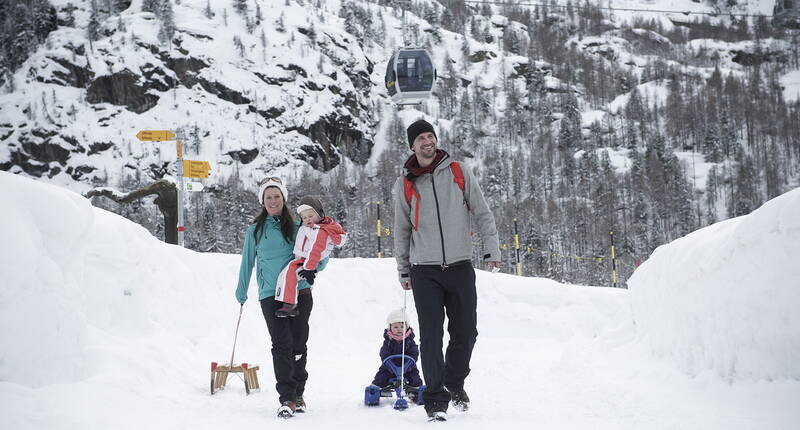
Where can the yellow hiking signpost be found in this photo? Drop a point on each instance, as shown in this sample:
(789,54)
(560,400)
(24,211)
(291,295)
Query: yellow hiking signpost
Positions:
(187,168)
(196,169)
(155,135)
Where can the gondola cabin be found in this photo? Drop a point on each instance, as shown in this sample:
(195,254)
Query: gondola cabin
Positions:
(786,14)
(410,76)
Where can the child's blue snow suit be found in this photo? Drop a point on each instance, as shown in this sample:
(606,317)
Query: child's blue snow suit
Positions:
(392,347)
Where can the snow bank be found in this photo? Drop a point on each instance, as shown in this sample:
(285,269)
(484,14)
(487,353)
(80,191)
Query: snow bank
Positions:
(80,282)
(725,298)
(41,276)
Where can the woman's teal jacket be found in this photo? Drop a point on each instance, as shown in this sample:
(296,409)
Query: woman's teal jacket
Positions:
(271,255)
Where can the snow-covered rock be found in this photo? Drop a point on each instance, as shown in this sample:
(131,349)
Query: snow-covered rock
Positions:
(288,95)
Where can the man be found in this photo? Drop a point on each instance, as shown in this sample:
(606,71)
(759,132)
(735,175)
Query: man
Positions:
(433,203)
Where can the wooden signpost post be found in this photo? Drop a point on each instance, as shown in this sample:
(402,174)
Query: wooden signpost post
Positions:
(187,168)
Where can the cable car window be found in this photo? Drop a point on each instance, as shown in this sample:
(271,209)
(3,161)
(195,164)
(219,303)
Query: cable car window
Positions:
(411,67)
(391,78)
(426,71)
(390,70)
(407,72)
(787,4)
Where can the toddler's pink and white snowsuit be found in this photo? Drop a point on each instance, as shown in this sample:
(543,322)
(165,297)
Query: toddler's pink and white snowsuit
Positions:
(311,245)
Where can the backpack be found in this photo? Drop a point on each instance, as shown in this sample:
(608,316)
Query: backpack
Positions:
(410,191)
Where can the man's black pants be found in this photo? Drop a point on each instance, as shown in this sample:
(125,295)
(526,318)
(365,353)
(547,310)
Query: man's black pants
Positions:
(436,292)
(289,351)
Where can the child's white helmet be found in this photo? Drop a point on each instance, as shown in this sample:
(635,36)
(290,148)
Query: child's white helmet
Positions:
(396,315)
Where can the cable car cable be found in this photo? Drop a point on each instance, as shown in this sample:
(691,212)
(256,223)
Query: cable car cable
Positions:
(575,6)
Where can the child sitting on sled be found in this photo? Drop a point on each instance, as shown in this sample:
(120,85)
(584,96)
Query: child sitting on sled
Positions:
(393,339)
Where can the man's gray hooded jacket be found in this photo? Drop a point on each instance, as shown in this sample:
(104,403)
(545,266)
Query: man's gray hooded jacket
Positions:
(443,234)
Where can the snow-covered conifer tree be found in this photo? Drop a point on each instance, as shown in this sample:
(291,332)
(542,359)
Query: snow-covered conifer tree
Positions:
(240,6)
(153,6)
(207,11)
(93,28)
(167,23)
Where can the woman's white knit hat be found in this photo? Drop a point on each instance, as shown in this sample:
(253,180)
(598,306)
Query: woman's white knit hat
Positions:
(271,182)
(396,315)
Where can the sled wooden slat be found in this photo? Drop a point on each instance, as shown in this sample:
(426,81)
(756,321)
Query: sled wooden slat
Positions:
(219,376)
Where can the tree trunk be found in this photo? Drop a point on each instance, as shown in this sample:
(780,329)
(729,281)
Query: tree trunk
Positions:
(166,200)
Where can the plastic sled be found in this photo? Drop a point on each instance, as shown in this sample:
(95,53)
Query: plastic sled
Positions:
(373,393)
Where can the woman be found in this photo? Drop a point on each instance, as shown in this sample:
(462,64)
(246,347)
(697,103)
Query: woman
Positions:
(269,242)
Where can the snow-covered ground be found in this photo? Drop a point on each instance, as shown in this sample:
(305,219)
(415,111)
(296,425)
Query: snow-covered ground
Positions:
(654,92)
(791,86)
(696,168)
(104,326)
(618,156)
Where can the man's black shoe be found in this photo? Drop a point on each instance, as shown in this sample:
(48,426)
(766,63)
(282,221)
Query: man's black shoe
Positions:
(437,416)
(460,400)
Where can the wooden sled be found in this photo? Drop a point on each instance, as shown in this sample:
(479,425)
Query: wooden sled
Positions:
(219,376)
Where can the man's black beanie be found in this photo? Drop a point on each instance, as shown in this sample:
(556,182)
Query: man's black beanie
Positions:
(417,128)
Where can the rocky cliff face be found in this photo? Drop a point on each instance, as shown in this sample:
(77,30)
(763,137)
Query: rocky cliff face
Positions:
(258,101)
(276,88)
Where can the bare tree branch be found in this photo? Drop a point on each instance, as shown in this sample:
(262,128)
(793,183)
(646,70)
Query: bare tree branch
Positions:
(167,202)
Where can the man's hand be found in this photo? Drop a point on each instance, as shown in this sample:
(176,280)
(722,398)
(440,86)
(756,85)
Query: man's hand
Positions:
(406,285)
(493,266)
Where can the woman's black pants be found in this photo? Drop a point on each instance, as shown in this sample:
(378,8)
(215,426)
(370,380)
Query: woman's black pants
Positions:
(289,337)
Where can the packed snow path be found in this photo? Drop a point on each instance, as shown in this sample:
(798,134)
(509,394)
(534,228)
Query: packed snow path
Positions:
(106,327)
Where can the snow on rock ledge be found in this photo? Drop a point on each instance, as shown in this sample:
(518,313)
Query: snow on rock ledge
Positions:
(725,298)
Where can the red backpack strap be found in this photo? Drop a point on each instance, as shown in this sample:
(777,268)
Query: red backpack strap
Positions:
(410,191)
(458,178)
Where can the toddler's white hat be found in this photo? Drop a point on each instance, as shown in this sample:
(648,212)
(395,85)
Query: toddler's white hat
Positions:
(396,315)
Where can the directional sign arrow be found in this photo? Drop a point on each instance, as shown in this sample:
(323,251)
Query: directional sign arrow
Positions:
(155,135)
(196,169)
(193,186)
